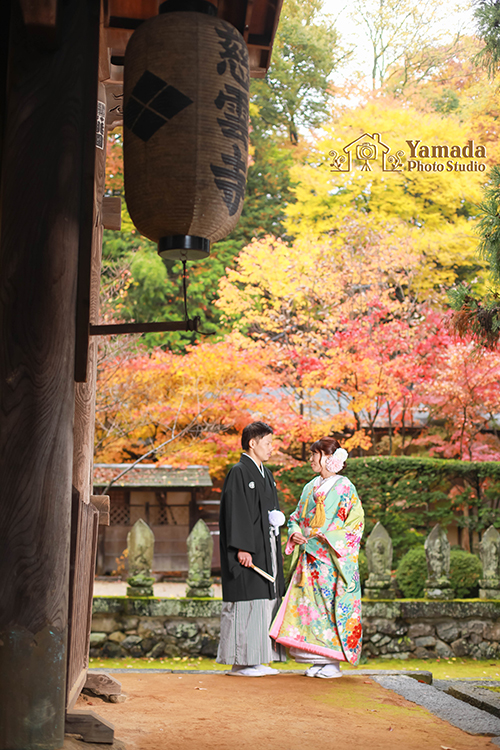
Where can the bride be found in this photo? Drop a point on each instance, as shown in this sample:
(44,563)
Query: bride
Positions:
(320,616)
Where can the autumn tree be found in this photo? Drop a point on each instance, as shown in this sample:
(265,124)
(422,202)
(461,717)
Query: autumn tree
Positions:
(295,91)
(187,408)
(311,290)
(359,379)
(433,212)
(407,40)
(313,285)
(478,314)
(463,394)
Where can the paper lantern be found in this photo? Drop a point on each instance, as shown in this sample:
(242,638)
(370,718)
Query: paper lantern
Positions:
(186,94)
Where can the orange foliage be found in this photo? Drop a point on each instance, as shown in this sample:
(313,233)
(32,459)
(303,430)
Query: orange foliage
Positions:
(209,394)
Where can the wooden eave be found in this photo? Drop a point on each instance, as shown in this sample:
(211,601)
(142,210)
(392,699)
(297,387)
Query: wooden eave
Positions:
(256,20)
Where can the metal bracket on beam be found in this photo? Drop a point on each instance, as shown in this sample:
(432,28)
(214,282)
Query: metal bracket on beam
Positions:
(114,329)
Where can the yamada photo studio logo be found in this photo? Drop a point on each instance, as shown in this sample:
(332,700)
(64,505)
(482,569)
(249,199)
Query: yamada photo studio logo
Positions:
(368,151)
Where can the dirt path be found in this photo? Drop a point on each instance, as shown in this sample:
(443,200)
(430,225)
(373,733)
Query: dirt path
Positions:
(287,712)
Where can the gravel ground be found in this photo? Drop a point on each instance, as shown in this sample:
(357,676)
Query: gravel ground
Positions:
(462,715)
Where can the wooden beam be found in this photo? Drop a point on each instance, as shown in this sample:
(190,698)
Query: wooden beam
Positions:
(104,54)
(84,533)
(84,524)
(114,104)
(130,10)
(112,212)
(76,689)
(114,329)
(43,170)
(90,235)
(90,726)
(256,20)
(4,60)
(102,503)
(248,20)
(41,21)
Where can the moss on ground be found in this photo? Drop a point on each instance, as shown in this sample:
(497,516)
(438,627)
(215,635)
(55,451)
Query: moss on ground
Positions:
(441,668)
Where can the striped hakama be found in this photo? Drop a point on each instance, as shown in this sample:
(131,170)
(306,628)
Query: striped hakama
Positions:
(244,629)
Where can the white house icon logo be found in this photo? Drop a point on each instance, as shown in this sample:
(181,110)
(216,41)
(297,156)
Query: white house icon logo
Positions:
(367,149)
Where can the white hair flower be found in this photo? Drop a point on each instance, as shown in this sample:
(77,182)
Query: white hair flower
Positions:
(336,461)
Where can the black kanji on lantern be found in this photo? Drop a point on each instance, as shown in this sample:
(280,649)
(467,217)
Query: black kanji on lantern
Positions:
(234,53)
(151,104)
(234,105)
(231,180)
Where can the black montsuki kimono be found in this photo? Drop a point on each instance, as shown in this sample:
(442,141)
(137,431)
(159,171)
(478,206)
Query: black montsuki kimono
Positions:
(246,499)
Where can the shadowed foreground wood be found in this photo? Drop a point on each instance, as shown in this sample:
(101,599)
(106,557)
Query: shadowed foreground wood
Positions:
(90,726)
(48,117)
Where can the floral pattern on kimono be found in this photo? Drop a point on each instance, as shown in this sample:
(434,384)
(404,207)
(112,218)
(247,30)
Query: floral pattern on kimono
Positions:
(321,611)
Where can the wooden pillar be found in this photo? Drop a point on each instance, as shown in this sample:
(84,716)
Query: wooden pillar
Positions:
(84,425)
(82,567)
(46,186)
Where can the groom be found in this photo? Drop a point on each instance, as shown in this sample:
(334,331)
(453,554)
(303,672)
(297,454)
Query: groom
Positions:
(249,536)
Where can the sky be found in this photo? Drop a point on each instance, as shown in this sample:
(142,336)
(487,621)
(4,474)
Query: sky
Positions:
(456,14)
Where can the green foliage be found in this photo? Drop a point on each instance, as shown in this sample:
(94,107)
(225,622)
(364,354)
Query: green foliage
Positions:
(487,16)
(447,102)
(269,191)
(488,226)
(294,92)
(465,572)
(155,288)
(411,573)
(363,567)
(410,495)
(478,317)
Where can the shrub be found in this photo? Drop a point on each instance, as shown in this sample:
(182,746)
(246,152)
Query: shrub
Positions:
(465,572)
(363,568)
(411,573)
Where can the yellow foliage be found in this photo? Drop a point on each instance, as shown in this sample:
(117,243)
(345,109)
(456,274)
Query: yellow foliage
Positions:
(297,294)
(432,211)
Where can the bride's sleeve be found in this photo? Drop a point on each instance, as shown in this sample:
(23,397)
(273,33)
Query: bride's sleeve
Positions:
(294,525)
(344,536)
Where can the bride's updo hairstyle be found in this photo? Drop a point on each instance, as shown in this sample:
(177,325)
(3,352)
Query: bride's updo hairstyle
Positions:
(326,445)
(335,456)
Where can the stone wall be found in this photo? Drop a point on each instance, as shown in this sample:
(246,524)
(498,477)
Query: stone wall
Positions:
(427,630)
(154,627)
(400,629)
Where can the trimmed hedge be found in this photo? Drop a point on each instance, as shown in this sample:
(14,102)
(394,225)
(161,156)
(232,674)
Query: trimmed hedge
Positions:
(410,495)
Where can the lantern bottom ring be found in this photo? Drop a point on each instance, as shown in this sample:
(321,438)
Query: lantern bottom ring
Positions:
(183,247)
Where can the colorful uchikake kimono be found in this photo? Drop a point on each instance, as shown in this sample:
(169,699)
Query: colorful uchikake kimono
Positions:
(321,611)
